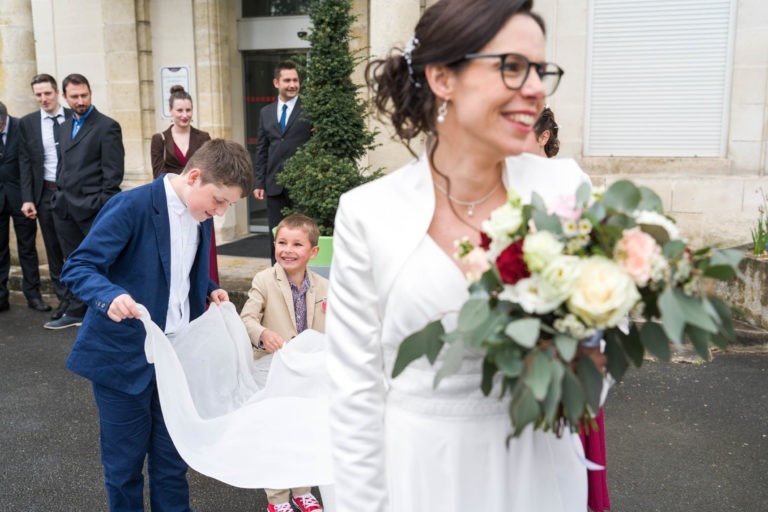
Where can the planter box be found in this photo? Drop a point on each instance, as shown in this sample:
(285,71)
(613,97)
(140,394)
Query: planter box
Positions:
(322,263)
(750,294)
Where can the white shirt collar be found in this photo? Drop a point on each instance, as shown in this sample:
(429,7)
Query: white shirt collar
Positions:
(45,115)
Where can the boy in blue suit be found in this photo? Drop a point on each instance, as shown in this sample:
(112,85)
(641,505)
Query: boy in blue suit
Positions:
(149,245)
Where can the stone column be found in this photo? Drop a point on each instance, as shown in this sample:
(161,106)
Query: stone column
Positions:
(212,47)
(17,56)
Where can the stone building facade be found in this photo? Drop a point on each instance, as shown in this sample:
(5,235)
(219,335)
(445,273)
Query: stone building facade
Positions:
(133,50)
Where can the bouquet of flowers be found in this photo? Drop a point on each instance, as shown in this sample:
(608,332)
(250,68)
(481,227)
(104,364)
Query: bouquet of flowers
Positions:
(547,279)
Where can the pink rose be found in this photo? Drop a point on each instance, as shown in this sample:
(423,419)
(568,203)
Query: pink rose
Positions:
(565,207)
(476,263)
(635,252)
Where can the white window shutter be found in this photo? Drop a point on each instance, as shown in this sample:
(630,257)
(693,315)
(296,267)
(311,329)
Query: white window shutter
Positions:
(659,77)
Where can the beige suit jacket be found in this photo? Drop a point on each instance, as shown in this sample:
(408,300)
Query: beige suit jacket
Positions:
(270,305)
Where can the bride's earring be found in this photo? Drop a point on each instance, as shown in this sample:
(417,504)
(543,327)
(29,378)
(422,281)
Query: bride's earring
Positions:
(442,111)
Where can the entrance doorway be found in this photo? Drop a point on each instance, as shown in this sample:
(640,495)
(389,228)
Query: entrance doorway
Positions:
(259,67)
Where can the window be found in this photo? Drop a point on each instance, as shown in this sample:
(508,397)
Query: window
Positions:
(262,8)
(658,78)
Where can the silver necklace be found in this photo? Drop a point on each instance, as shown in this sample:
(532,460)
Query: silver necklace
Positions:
(469,204)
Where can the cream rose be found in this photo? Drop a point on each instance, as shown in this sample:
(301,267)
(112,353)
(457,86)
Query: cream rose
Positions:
(539,249)
(603,293)
(533,294)
(560,275)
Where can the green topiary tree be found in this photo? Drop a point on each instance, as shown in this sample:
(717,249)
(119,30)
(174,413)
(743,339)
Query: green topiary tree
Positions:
(327,165)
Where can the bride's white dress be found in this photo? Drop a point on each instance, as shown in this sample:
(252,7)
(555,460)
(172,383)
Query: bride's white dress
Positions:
(445,447)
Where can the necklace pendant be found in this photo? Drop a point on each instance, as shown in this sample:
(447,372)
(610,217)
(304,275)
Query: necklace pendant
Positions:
(471,210)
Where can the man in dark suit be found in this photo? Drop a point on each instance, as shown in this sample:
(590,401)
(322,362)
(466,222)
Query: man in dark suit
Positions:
(10,209)
(282,130)
(38,159)
(90,171)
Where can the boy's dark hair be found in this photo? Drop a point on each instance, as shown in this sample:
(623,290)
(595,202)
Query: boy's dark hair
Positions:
(286,64)
(76,79)
(43,78)
(299,221)
(223,163)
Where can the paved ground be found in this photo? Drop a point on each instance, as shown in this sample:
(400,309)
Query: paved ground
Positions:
(681,437)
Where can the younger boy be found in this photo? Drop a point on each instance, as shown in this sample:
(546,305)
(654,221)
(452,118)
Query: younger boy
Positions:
(149,245)
(283,301)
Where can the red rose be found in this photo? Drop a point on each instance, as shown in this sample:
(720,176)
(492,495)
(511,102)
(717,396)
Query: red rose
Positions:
(511,264)
(485,241)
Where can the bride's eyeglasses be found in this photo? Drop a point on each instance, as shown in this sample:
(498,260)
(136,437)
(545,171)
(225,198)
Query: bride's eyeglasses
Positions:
(515,69)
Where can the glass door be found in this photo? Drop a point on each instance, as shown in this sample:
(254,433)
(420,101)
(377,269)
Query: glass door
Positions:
(259,68)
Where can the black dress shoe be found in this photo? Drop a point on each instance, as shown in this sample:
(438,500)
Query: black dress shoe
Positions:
(4,306)
(60,309)
(38,305)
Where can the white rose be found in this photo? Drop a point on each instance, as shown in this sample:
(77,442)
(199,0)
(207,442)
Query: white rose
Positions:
(539,249)
(561,275)
(533,294)
(505,220)
(603,292)
(656,219)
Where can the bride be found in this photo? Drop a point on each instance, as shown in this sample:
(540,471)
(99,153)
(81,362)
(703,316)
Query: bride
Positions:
(474,80)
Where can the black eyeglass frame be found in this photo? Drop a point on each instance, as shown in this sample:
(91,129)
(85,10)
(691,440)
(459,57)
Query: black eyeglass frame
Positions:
(541,68)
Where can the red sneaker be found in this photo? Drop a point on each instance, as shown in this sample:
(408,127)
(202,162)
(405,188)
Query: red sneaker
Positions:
(280,507)
(307,503)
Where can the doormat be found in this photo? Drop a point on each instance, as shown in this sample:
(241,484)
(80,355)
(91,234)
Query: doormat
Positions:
(253,246)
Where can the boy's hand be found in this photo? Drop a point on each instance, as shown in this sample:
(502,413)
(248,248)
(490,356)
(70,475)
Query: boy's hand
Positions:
(123,307)
(218,296)
(271,341)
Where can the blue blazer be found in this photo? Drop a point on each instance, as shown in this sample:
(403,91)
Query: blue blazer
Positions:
(128,250)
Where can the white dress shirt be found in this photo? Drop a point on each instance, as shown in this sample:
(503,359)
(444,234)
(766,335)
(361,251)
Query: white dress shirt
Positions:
(185,238)
(50,158)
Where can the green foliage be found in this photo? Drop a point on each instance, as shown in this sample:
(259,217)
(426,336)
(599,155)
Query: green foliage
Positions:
(328,164)
(760,232)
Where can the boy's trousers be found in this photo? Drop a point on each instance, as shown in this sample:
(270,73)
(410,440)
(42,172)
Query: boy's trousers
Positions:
(132,428)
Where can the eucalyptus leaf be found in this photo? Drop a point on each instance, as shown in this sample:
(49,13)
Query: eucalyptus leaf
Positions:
(655,340)
(451,363)
(673,250)
(591,382)
(538,375)
(573,397)
(633,347)
(729,257)
(524,332)
(672,316)
(650,201)
(524,409)
(551,402)
(617,363)
(657,232)
(583,193)
(489,370)
(546,222)
(473,313)
(694,312)
(418,344)
(721,272)
(509,361)
(486,333)
(537,202)
(622,196)
(596,213)
(700,340)
(566,346)
(724,312)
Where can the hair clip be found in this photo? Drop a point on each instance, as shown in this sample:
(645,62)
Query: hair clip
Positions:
(408,56)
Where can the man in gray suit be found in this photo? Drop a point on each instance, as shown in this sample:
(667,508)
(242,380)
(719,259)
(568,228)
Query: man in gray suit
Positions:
(282,130)
(90,171)
(10,210)
(38,159)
